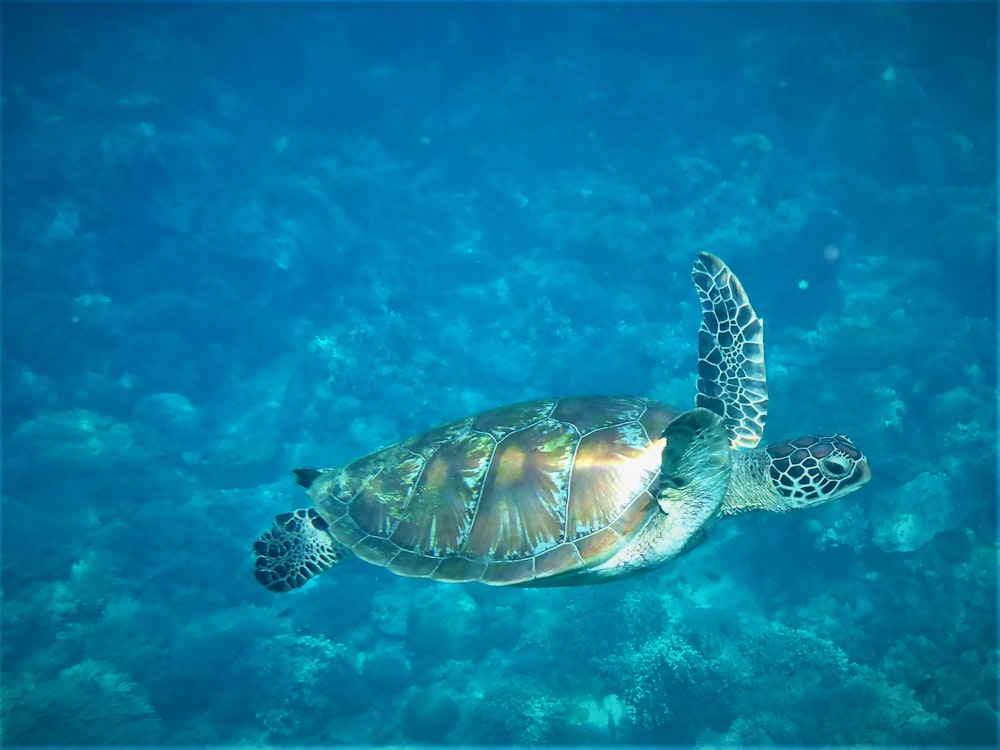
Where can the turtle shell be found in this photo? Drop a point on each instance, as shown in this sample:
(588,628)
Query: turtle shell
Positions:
(516,495)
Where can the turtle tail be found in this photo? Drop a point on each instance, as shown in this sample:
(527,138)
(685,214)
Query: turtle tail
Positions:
(305,476)
(297,547)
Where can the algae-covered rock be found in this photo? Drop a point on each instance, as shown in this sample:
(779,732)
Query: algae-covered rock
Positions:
(387,668)
(906,519)
(78,442)
(976,724)
(429,715)
(171,414)
(445,623)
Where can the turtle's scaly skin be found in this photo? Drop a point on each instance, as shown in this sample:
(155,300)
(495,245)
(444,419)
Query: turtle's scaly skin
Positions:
(300,544)
(511,496)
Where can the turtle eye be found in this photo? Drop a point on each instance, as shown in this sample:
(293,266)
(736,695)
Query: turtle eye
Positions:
(834,467)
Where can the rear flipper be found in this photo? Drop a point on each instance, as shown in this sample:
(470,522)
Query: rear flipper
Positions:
(295,549)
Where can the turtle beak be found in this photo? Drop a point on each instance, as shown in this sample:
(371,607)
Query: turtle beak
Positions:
(859,478)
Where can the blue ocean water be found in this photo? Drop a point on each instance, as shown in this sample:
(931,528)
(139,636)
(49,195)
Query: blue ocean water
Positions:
(242,238)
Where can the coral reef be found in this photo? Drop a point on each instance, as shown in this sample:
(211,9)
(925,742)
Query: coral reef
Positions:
(306,681)
(89,703)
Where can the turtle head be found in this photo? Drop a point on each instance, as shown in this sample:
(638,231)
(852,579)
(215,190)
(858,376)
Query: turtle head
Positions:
(816,469)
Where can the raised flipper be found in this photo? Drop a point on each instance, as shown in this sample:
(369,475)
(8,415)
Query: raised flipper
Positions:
(731,378)
(295,549)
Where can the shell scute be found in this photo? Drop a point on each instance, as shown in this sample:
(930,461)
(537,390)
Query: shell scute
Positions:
(563,558)
(597,547)
(522,508)
(501,422)
(629,522)
(656,417)
(374,550)
(426,444)
(438,514)
(413,565)
(509,572)
(588,413)
(332,492)
(611,464)
(347,532)
(460,570)
(381,500)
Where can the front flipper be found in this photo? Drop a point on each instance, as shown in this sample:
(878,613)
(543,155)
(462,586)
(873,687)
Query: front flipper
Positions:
(696,466)
(295,549)
(731,378)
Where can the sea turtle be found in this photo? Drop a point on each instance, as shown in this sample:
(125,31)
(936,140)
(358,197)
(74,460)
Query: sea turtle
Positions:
(569,491)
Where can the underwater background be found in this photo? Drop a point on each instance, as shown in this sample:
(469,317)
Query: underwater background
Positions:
(242,238)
